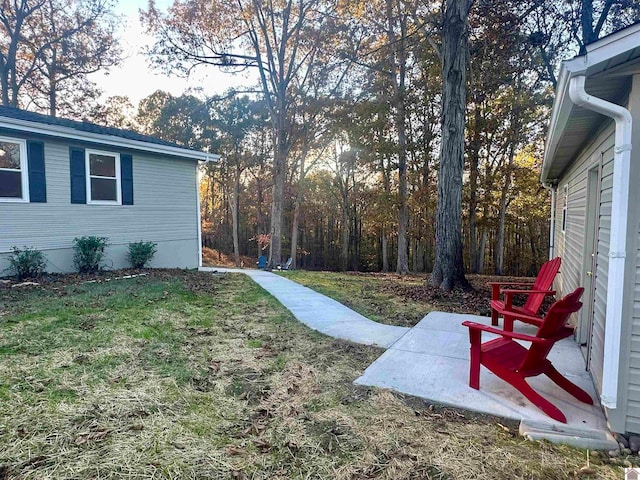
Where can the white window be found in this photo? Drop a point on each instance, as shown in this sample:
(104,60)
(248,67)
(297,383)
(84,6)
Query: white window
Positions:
(103,178)
(564,208)
(14,176)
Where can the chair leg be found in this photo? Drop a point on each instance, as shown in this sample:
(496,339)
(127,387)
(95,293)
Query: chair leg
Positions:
(570,387)
(507,323)
(538,400)
(474,360)
(495,295)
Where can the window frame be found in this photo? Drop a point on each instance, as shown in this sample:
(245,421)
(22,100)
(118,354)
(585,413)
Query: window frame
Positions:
(118,177)
(565,209)
(24,170)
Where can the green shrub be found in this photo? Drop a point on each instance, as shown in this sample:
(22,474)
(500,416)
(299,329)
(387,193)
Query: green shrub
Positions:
(89,252)
(27,262)
(141,253)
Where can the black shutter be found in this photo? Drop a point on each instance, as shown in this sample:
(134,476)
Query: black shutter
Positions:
(126,178)
(78,175)
(37,178)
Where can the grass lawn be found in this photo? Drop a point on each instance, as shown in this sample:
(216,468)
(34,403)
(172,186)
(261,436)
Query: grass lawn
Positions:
(395,299)
(190,375)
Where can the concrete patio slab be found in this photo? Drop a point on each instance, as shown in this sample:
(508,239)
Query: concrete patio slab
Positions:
(432,362)
(320,312)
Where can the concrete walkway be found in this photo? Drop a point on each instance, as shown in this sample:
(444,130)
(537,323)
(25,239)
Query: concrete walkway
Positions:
(320,312)
(431,361)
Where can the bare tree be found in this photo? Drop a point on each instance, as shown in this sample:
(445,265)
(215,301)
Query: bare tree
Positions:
(51,46)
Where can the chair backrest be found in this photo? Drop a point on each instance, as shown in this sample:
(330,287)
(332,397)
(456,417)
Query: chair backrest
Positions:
(262,261)
(553,328)
(288,264)
(544,281)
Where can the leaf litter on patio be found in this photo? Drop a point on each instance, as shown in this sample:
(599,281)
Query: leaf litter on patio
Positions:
(190,375)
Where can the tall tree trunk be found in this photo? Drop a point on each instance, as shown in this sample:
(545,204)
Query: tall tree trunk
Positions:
(344,256)
(259,201)
(212,195)
(499,252)
(504,202)
(294,232)
(481,249)
(398,74)
(235,203)
(414,256)
(385,251)
(53,99)
(502,215)
(296,211)
(402,267)
(448,270)
(279,174)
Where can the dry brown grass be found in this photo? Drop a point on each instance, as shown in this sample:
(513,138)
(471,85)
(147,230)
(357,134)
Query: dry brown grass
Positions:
(189,375)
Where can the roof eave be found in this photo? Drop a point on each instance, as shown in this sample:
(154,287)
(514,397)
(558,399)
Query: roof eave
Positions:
(560,113)
(98,138)
(597,53)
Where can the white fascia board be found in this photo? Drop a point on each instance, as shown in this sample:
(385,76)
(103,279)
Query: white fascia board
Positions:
(559,116)
(612,45)
(597,53)
(102,139)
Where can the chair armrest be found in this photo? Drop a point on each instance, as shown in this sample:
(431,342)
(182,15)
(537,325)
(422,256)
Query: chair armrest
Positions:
(503,333)
(495,287)
(527,292)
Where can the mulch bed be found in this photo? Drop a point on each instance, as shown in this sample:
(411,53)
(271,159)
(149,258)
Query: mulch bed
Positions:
(195,281)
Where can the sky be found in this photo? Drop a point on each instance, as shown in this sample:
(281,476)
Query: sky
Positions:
(136,78)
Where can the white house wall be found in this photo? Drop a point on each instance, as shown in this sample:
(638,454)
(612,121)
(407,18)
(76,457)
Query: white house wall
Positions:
(631,337)
(164,211)
(570,244)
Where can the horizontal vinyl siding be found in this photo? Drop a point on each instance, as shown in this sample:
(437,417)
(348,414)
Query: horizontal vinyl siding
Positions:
(574,236)
(570,245)
(633,393)
(164,211)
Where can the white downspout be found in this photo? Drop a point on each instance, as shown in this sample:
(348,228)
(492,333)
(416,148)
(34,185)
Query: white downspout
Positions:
(618,236)
(199,215)
(552,228)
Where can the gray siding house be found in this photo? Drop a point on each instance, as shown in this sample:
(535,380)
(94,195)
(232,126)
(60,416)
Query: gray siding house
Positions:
(592,166)
(61,179)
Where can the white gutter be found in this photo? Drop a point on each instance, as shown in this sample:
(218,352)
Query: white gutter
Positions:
(103,139)
(618,236)
(552,228)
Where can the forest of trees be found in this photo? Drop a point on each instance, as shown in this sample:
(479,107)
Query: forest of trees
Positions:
(353,151)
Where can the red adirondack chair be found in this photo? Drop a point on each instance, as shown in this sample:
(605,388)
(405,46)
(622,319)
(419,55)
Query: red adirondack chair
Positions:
(535,295)
(514,363)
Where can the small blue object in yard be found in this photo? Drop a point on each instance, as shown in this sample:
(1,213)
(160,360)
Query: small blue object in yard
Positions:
(262,261)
